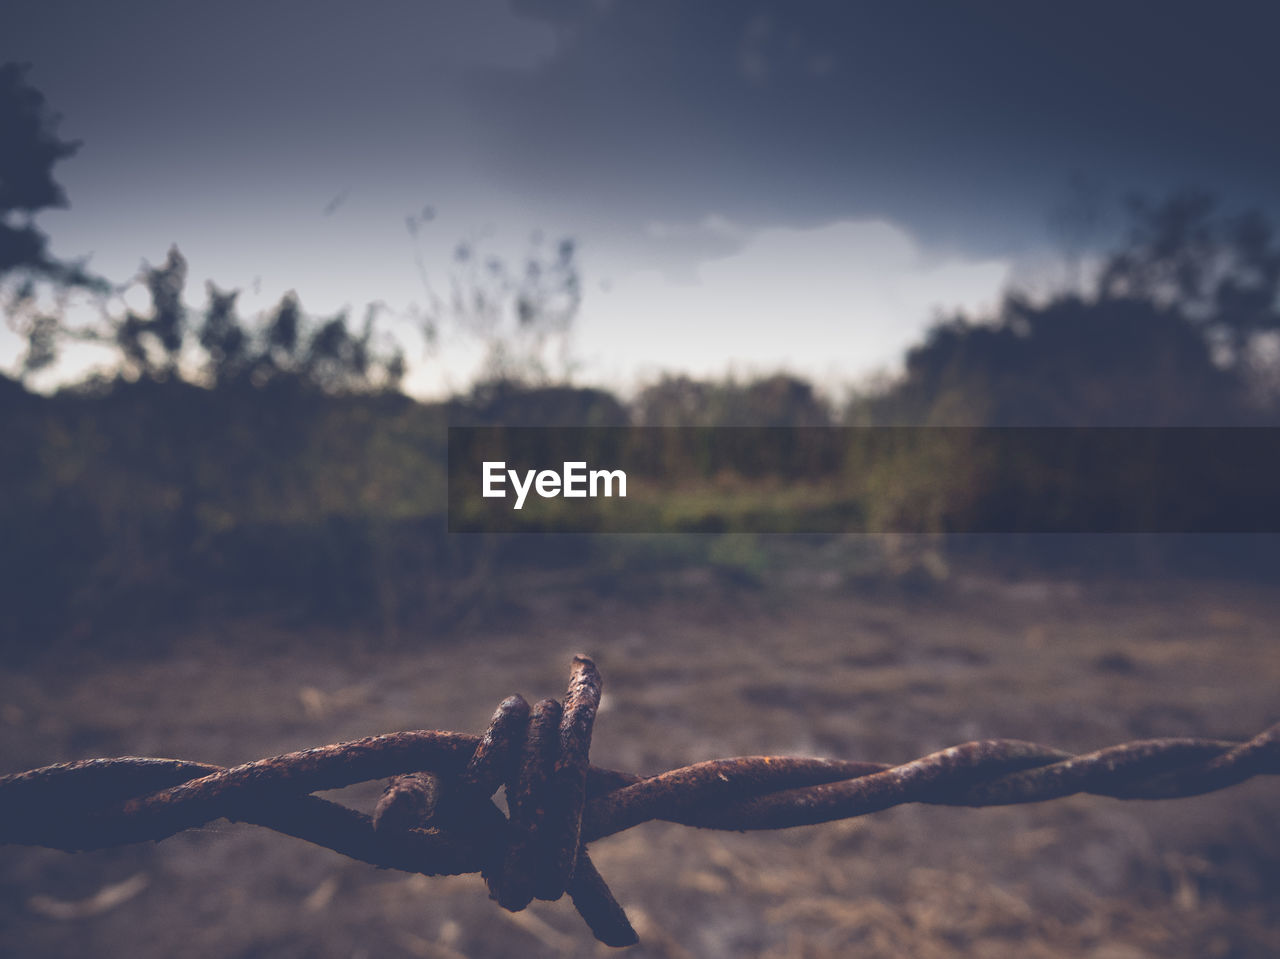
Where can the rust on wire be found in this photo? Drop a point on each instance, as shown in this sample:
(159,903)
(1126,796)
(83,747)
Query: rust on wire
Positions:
(437,816)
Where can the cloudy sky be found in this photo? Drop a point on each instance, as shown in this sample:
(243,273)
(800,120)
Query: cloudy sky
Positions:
(754,186)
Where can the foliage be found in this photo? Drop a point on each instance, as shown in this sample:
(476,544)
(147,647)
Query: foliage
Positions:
(778,400)
(1221,272)
(508,403)
(223,350)
(29,274)
(1175,332)
(522,319)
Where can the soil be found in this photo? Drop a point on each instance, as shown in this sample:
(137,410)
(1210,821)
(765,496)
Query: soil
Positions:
(698,671)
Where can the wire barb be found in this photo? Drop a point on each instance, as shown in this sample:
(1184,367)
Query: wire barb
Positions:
(437,816)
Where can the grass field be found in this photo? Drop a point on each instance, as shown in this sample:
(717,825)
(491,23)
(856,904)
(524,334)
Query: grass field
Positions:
(695,669)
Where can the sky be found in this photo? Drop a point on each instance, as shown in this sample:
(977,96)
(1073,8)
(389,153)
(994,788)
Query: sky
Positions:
(752,187)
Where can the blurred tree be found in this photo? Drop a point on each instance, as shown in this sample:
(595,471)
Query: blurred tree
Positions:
(1069,362)
(29,274)
(1173,331)
(778,400)
(151,345)
(1222,273)
(512,403)
(522,319)
(286,345)
(674,401)
(224,350)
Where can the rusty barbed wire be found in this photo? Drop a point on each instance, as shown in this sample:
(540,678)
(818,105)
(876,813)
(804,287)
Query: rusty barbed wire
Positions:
(437,816)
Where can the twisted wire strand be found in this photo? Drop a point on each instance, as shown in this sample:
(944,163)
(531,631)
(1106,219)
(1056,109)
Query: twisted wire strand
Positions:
(436,816)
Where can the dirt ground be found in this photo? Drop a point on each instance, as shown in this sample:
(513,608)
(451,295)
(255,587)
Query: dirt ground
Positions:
(701,671)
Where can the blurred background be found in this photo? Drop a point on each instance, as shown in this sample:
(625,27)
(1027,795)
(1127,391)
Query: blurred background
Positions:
(254,261)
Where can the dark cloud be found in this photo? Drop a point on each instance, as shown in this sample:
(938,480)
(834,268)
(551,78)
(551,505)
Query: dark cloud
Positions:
(949,116)
(965,122)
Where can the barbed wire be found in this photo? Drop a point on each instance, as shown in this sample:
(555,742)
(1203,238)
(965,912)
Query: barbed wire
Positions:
(437,817)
